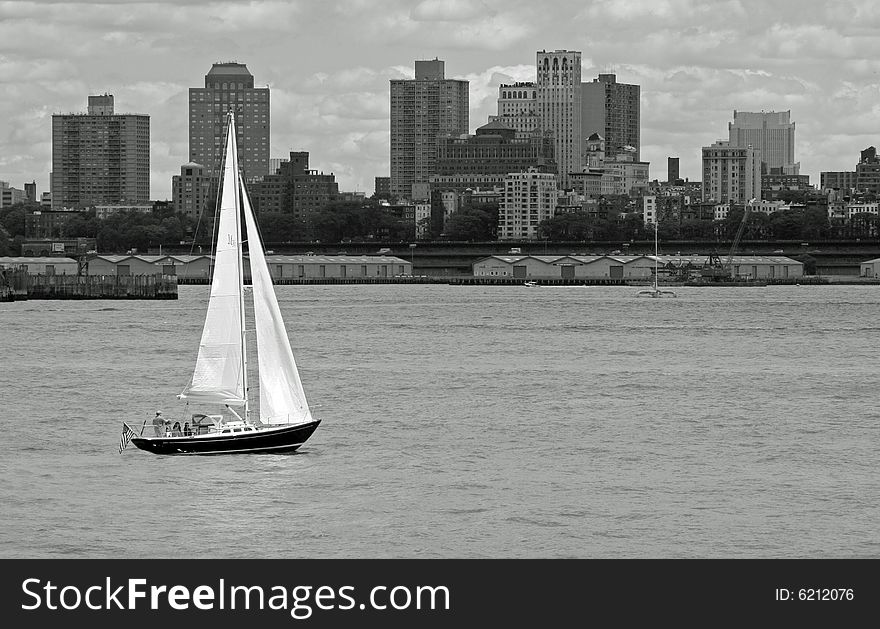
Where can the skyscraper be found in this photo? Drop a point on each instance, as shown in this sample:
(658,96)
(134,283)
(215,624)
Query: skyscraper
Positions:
(612,110)
(423,109)
(770,132)
(100,156)
(559,101)
(672,174)
(229,86)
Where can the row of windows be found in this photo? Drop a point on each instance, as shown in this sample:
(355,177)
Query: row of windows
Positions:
(229,87)
(518,94)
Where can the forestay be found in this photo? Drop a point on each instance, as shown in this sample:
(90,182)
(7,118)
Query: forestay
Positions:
(282,399)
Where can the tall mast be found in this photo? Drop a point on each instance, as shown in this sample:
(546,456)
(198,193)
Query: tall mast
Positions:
(655,252)
(237,188)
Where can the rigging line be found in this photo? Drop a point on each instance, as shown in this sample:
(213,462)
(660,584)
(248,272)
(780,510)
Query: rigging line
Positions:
(214,187)
(255,216)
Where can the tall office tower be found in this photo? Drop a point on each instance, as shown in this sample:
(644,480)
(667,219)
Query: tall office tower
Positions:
(518,108)
(423,109)
(612,110)
(731,174)
(770,132)
(672,174)
(229,86)
(559,107)
(100,156)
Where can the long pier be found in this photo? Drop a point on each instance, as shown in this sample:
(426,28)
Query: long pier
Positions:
(94,287)
(418,279)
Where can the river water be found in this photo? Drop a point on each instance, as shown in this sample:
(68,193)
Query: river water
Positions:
(473,422)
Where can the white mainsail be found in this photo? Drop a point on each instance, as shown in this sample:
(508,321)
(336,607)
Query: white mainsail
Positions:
(219,373)
(282,399)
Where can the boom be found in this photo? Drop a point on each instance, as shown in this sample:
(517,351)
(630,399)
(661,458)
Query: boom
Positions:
(736,239)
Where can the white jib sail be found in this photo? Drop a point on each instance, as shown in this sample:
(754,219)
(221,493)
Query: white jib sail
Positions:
(282,399)
(218,371)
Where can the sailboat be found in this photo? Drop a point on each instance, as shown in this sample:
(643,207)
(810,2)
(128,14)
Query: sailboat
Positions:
(655,290)
(283,420)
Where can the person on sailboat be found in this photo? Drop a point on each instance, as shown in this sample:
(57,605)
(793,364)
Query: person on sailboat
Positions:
(159,424)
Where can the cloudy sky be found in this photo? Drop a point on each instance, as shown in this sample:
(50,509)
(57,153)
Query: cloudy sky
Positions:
(328,65)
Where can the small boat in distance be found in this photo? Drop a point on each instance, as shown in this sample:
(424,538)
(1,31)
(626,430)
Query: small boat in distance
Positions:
(531,284)
(655,290)
(283,421)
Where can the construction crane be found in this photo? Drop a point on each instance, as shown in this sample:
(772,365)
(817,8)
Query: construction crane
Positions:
(82,260)
(728,266)
(715,269)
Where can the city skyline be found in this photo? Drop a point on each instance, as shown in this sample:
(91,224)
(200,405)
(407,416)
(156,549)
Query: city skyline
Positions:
(329,66)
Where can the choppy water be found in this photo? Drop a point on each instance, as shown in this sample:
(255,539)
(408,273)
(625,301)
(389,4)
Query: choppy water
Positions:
(463,422)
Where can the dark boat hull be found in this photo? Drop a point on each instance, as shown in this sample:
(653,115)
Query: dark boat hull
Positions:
(270,441)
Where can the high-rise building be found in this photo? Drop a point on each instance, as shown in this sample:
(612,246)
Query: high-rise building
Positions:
(771,133)
(190,191)
(423,109)
(529,198)
(612,109)
(559,99)
(100,156)
(672,174)
(229,86)
(518,108)
(30,190)
(731,174)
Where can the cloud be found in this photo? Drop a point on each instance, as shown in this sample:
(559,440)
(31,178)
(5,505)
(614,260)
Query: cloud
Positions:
(449,10)
(328,66)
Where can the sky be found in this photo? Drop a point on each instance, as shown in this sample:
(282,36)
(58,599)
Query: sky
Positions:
(328,65)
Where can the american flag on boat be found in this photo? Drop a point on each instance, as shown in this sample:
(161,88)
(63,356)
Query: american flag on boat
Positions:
(127,433)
